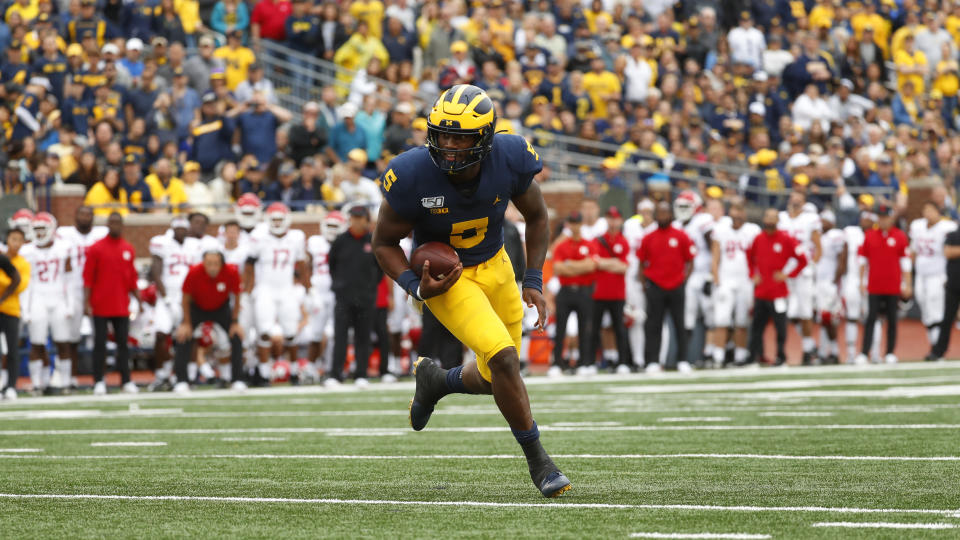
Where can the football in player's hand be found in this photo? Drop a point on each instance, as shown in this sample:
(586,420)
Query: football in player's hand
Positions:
(442,259)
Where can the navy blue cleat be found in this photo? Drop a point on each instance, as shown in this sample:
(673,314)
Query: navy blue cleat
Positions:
(555,484)
(431,386)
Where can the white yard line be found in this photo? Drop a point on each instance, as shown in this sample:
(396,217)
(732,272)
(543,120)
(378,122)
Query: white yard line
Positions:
(373,432)
(884,525)
(796,413)
(774,384)
(388,457)
(485,504)
(252,439)
(695,419)
(129,443)
(732,536)
(20,450)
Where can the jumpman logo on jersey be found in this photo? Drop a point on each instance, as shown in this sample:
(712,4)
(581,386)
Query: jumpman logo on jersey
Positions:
(497,200)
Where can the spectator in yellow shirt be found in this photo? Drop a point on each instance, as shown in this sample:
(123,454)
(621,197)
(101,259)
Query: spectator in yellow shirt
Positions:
(370,12)
(911,65)
(107,196)
(236,57)
(947,81)
(601,85)
(27,9)
(14,278)
(167,190)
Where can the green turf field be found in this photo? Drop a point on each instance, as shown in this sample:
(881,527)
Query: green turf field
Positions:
(793,453)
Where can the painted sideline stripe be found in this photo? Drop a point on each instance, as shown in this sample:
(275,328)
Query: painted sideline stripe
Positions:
(734,536)
(695,419)
(129,443)
(884,525)
(489,429)
(19,450)
(482,504)
(469,456)
(239,439)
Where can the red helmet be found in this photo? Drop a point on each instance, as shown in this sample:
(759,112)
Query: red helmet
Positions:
(278,218)
(23,219)
(44,228)
(333,224)
(210,335)
(281,371)
(686,205)
(247,210)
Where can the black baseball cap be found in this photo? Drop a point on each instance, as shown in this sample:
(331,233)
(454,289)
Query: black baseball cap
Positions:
(574,217)
(359,211)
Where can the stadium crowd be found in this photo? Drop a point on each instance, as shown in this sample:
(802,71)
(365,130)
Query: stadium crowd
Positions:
(172,107)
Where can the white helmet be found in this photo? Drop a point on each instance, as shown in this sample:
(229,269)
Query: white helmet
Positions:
(247,211)
(686,205)
(23,219)
(278,218)
(333,225)
(44,228)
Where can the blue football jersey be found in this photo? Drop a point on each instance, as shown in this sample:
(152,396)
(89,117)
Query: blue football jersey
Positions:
(417,190)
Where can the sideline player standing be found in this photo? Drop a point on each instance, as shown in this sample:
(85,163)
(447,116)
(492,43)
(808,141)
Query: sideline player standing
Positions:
(829,271)
(805,228)
(927,235)
(79,237)
(853,301)
(456,191)
(733,295)
(51,304)
(698,295)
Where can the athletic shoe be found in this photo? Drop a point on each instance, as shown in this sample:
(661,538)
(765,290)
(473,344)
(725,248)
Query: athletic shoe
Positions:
(890,358)
(832,360)
(653,368)
(388,378)
(860,360)
(182,388)
(238,386)
(431,385)
(684,367)
(100,389)
(330,382)
(554,372)
(623,369)
(10,394)
(547,477)
(583,371)
(780,361)
(360,382)
(130,388)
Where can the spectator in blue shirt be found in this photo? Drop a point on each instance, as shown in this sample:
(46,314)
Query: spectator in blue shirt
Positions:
(185,103)
(212,136)
(883,177)
(137,19)
(252,180)
(372,121)
(398,42)
(346,135)
(131,60)
(258,122)
(139,197)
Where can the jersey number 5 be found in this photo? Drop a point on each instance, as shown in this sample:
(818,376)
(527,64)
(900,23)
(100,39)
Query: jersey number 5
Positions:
(467,234)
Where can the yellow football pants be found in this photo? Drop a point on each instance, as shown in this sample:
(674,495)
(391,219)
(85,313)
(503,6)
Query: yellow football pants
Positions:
(483,309)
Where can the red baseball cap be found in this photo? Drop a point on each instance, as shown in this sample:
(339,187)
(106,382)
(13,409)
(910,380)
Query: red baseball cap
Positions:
(613,211)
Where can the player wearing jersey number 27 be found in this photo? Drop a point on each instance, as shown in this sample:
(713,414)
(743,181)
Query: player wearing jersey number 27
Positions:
(456,190)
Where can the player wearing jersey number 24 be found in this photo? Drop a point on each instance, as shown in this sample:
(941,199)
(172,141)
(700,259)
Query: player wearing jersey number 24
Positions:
(456,190)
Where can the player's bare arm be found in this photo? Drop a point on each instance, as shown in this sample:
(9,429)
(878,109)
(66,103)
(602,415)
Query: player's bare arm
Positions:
(390,230)
(534,210)
(156,272)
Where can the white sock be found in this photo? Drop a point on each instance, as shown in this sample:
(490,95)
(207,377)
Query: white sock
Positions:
(850,336)
(226,372)
(161,374)
(610,355)
(65,366)
(824,343)
(3,378)
(934,334)
(265,370)
(718,355)
(207,371)
(708,350)
(809,344)
(168,366)
(36,366)
(192,371)
(741,354)
(834,347)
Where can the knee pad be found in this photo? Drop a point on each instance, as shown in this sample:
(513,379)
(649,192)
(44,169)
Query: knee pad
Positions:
(263,341)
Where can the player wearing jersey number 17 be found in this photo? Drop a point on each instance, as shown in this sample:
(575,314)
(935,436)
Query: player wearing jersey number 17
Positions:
(456,190)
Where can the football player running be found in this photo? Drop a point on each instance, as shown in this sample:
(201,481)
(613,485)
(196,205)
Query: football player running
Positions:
(51,303)
(927,235)
(456,190)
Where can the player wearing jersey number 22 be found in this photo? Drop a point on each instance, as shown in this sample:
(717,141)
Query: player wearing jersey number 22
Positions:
(456,190)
